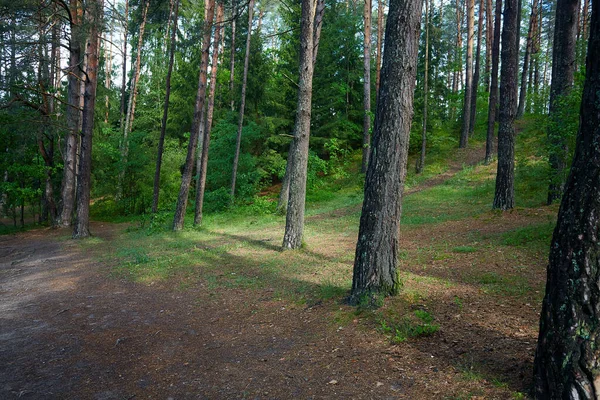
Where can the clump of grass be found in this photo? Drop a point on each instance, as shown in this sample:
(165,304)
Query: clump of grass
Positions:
(464,249)
(538,236)
(419,323)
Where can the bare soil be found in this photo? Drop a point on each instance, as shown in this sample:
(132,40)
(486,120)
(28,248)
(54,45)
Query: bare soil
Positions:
(70,329)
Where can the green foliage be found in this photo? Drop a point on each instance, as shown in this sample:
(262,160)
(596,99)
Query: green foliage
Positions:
(419,323)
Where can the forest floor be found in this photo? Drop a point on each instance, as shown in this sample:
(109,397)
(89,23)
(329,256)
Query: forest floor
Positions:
(222,313)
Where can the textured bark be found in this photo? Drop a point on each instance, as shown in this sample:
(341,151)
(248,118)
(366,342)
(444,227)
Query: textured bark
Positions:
(489,33)
(163,125)
(232,61)
(464,136)
(421,159)
(528,50)
(72,116)
(284,194)
(186,177)
(567,355)
(238,142)
(124,72)
(132,101)
(476,74)
(489,143)
(82,222)
(563,72)
(504,198)
(366,85)
(298,154)
(380,29)
(376,259)
(203,159)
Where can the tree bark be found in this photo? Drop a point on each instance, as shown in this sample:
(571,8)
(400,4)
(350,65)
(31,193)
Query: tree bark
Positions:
(489,33)
(132,101)
(376,259)
(124,72)
(504,198)
(567,355)
(186,178)
(563,72)
(489,143)
(298,154)
(476,74)
(82,223)
(232,61)
(238,143)
(284,194)
(163,124)
(72,116)
(366,85)
(203,164)
(421,159)
(380,29)
(528,51)
(464,137)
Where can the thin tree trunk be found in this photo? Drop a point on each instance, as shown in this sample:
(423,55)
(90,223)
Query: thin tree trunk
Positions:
(298,154)
(163,125)
(563,72)
(232,61)
(82,223)
(504,198)
(380,29)
(124,72)
(376,257)
(186,178)
(489,143)
(476,74)
(421,159)
(203,164)
(284,194)
(132,101)
(464,137)
(367,86)
(528,51)
(72,116)
(108,78)
(567,357)
(489,33)
(238,143)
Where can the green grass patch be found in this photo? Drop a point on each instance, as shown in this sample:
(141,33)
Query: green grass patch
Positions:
(416,324)
(535,236)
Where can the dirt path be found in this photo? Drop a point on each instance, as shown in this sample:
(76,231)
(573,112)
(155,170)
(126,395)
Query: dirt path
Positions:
(69,331)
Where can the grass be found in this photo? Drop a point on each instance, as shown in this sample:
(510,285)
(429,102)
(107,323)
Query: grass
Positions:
(413,325)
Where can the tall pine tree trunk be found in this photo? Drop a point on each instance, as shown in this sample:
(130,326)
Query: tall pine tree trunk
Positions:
(366,85)
(163,124)
(285,184)
(186,177)
(72,116)
(504,197)
(376,257)
(232,61)
(298,154)
(528,51)
(203,159)
(421,159)
(82,222)
(476,74)
(380,29)
(132,101)
(124,65)
(238,142)
(489,143)
(489,34)
(464,136)
(567,355)
(563,72)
